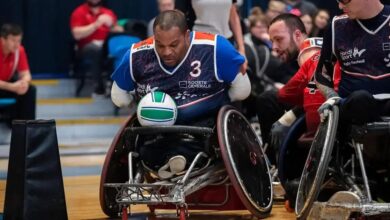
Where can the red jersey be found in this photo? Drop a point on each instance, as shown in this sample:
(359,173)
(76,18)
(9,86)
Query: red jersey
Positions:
(8,65)
(83,16)
(301,90)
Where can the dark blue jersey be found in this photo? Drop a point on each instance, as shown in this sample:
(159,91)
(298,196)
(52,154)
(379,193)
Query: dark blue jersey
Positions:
(198,84)
(363,49)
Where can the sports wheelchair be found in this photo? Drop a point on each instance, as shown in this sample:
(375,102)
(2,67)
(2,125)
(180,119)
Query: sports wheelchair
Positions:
(346,176)
(231,173)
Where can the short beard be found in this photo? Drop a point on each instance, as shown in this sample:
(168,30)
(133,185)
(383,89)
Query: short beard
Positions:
(91,4)
(293,54)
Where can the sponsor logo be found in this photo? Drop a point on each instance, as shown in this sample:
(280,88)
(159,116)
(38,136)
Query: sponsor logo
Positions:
(387,60)
(143,89)
(386,46)
(194,84)
(184,95)
(352,56)
(357,52)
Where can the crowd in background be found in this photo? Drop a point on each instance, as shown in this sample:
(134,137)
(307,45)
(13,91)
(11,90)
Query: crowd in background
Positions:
(92,25)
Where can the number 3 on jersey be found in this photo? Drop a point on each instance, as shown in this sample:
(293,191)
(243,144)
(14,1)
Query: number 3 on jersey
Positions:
(196,71)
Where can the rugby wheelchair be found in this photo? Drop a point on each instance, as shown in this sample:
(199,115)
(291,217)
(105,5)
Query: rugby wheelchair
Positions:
(346,176)
(231,173)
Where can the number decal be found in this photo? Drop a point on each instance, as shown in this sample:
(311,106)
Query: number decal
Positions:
(196,71)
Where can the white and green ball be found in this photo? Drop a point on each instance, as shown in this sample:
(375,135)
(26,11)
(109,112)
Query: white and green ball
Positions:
(157,109)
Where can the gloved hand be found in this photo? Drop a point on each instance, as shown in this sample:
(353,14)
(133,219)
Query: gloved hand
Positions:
(280,128)
(323,110)
(278,134)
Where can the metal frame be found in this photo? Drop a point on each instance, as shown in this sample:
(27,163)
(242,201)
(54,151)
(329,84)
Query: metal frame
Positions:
(172,191)
(342,204)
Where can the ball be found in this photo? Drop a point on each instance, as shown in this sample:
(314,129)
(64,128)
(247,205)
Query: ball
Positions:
(157,109)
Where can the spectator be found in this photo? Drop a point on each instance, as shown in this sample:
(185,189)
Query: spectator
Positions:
(90,25)
(262,65)
(305,7)
(163,5)
(308,22)
(275,8)
(217,17)
(321,20)
(15,76)
(264,68)
(256,11)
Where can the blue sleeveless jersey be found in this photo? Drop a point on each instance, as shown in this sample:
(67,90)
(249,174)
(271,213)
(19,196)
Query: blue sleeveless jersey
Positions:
(364,55)
(194,84)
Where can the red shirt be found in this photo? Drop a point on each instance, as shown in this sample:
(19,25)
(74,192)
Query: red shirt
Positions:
(83,16)
(301,90)
(7,63)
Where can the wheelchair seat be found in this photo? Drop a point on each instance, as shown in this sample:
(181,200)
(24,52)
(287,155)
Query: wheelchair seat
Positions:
(177,140)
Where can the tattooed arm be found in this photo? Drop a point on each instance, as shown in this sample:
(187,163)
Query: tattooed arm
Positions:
(327,91)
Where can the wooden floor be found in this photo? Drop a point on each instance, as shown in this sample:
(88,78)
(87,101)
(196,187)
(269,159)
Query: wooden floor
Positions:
(82,198)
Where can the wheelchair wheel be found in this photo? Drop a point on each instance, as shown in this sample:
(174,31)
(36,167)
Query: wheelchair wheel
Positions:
(115,169)
(316,164)
(245,161)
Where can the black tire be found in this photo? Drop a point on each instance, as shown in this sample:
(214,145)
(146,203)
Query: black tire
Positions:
(316,165)
(245,161)
(115,170)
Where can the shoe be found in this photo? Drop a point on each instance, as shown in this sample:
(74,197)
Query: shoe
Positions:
(174,166)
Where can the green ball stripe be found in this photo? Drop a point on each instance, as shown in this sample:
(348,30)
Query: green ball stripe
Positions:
(157,113)
(158,97)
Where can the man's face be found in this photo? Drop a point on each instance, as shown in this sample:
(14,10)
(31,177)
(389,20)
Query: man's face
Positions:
(165,5)
(354,8)
(11,43)
(94,3)
(171,45)
(283,42)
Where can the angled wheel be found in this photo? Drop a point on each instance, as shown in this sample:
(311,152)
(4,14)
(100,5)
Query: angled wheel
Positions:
(245,161)
(316,164)
(115,169)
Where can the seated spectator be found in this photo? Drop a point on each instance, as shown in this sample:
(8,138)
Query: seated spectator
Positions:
(321,20)
(163,5)
(262,65)
(308,22)
(275,8)
(304,6)
(90,24)
(256,11)
(15,74)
